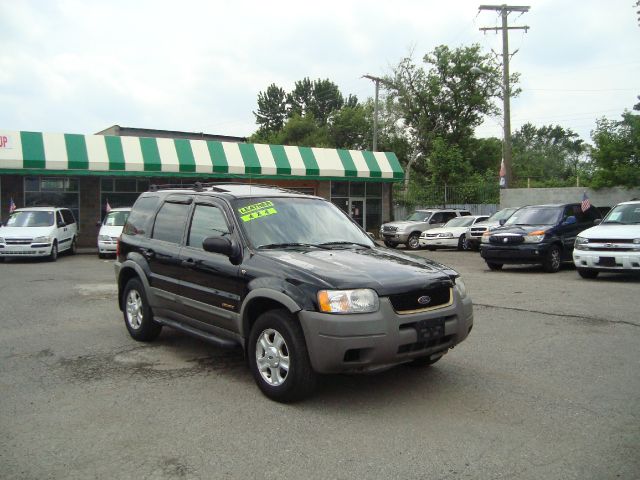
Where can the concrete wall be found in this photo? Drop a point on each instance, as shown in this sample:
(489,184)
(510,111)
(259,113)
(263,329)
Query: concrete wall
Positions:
(603,198)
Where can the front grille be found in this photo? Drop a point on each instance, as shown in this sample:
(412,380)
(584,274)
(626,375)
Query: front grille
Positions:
(438,297)
(18,241)
(506,239)
(477,231)
(389,228)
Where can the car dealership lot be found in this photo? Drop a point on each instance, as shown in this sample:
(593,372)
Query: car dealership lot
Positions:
(546,386)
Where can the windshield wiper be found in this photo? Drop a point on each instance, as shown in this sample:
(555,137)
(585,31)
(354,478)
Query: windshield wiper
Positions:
(292,244)
(346,243)
(612,221)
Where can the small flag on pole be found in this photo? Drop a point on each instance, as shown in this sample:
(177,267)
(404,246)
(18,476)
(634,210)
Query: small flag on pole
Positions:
(107,207)
(586,204)
(503,173)
(12,206)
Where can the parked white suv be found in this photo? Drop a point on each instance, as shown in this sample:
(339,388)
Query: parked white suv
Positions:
(38,232)
(611,246)
(110,230)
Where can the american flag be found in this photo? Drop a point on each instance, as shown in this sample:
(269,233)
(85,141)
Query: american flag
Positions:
(12,206)
(586,204)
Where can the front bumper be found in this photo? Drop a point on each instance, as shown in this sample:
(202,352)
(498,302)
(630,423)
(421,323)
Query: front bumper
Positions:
(623,261)
(439,242)
(107,247)
(21,251)
(375,341)
(524,253)
(395,237)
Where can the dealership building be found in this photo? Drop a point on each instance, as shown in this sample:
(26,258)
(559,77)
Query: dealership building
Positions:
(85,172)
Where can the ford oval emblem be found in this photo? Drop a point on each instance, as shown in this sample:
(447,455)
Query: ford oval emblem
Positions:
(424,300)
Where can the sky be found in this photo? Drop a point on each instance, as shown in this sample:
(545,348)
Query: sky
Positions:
(80,66)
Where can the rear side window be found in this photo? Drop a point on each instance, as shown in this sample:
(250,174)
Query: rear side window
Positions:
(141,215)
(448,216)
(170,222)
(67,216)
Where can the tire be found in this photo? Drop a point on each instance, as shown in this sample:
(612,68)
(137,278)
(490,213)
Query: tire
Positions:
(413,242)
(424,361)
(138,317)
(53,256)
(462,243)
(101,255)
(553,260)
(74,247)
(276,339)
(390,244)
(494,266)
(587,273)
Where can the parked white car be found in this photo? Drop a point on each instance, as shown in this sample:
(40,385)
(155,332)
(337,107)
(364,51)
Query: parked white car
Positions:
(110,230)
(452,235)
(38,232)
(611,246)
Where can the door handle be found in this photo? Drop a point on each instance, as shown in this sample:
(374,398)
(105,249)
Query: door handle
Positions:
(189,262)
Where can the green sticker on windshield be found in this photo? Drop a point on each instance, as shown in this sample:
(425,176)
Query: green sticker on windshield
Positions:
(257,210)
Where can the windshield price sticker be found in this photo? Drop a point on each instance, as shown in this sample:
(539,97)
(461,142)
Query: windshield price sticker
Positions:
(257,210)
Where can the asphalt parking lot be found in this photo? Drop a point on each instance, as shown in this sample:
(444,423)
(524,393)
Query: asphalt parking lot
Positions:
(546,386)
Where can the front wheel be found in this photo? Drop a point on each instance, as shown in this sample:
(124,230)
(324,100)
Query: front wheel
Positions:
(53,256)
(553,260)
(587,273)
(494,266)
(278,357)
(138,316)
(413,242)
(463,243)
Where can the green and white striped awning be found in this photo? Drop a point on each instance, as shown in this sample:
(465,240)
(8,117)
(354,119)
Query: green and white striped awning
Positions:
(36,153)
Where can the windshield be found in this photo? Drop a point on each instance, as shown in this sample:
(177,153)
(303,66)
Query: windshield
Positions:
(284,221)
(459,222)
(535,216)
(628,214)
(418,216)
(31,219)
(116,219)
(503,214)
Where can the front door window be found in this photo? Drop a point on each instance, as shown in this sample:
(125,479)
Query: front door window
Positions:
(357,211)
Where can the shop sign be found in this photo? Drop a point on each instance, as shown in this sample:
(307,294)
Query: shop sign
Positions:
(5,142)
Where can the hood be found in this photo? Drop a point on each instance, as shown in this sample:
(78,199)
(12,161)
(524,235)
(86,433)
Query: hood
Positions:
(401,224)
(609,231)
(26,232)
(485,224)
(111,230)
(385,271)
(520,229)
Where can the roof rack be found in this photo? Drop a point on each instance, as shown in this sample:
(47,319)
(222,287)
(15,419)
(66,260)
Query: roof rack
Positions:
(213,186)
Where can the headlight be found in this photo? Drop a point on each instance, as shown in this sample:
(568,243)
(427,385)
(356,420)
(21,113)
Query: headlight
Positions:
(581,243)
(446,235)
(42,240)
(534,237)
(362,300)
(104,238)
(462,288)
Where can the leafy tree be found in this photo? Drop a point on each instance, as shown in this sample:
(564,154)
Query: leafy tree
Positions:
(350,128)
(319,98)
(272,109)
(549,155)
(616,152)
(303,131)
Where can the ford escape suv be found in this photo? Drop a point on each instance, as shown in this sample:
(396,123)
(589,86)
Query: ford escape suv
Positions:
(287,277)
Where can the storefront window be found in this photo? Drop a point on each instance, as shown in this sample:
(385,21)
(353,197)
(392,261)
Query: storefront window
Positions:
(362,201)
(120,192)
(52,192)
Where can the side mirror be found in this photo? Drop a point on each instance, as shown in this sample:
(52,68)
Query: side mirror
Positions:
(570,220)
(502,221)
(61,224)
(223,246)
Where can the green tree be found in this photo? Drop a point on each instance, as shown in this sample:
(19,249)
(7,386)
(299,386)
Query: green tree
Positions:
(549,155)
(320,98)
(272,109)
(350,128)
(616,152)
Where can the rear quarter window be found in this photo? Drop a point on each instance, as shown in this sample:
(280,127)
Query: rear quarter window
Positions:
(141,215)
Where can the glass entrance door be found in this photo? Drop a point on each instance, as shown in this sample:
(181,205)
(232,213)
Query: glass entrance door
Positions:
(356,210)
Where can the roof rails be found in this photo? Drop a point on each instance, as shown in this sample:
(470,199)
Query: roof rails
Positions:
(212,186)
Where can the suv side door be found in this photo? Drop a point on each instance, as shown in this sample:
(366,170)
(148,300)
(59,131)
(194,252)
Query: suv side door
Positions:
(162,252)
(211,286)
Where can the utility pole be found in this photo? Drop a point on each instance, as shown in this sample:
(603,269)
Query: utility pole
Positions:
(377,81)
(505,10)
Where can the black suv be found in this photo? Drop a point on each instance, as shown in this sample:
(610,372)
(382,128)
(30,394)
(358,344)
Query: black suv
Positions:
(538,234)
(289,278)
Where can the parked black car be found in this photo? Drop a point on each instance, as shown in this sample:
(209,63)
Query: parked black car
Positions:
(538,234)
(288,277)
